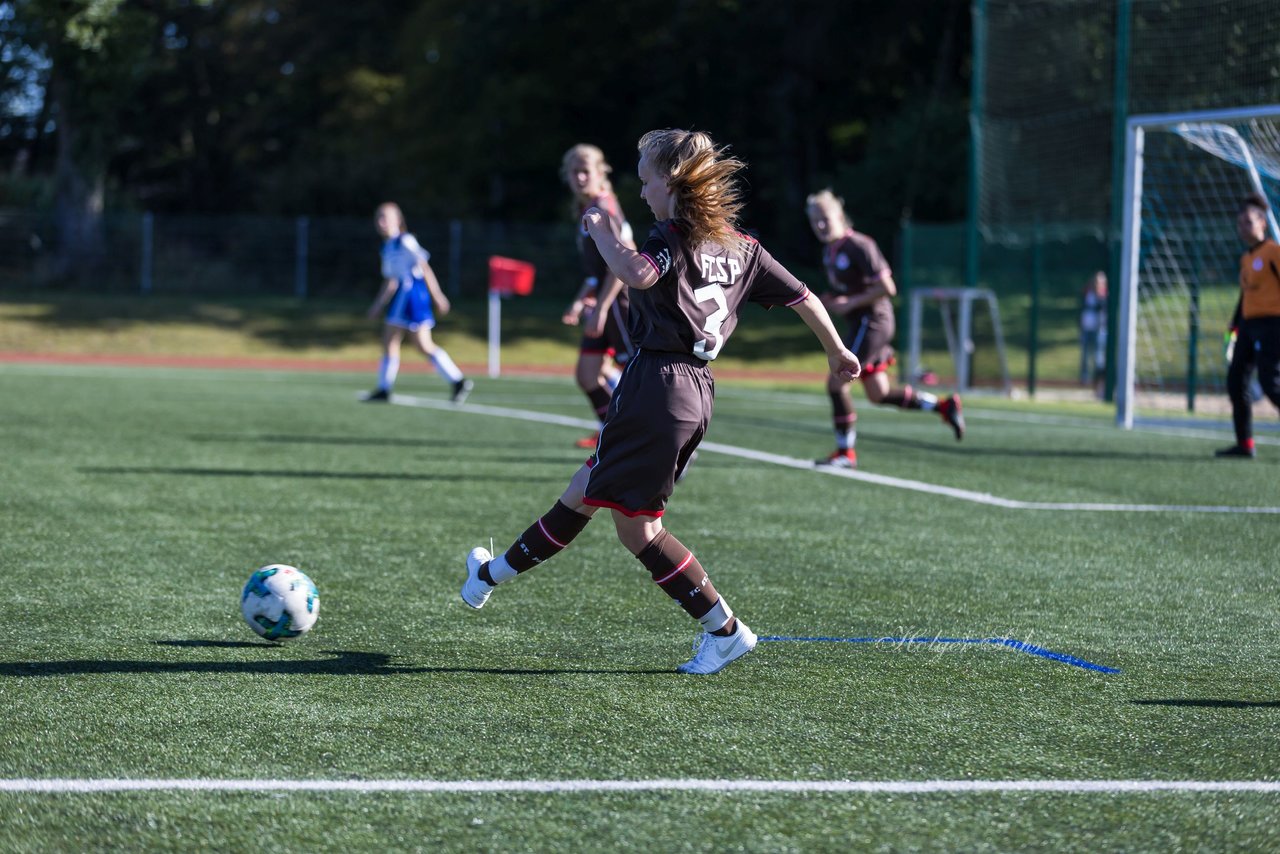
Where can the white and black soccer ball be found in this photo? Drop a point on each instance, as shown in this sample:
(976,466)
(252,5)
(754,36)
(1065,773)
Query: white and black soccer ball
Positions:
(280,602)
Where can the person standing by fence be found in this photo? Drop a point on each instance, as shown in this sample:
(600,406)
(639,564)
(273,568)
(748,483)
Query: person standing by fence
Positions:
(1093,329)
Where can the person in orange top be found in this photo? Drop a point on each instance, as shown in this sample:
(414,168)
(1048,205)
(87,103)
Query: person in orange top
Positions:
(1254,338)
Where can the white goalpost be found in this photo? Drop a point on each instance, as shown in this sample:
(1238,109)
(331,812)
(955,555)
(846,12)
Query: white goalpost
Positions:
(1185,176)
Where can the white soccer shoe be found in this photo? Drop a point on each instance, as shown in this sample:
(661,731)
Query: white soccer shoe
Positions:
(713,653)
(475,591)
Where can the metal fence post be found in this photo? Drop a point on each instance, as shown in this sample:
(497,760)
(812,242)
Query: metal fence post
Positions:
(148,228)
(1033,326)
(904,285)
(300,260)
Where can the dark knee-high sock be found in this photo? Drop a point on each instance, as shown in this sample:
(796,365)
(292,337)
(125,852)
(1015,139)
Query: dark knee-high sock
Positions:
(907,397)
(843,418)
(600,397)
(543,540)
(1241,406)
(675,569)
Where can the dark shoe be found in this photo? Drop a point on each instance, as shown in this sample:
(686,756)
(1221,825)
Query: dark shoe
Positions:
(952,414)
(380,395)
(461,389)
(1236,451)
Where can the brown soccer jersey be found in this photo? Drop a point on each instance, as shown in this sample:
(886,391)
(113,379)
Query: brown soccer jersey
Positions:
(693,308)
(854,263)
(616,338)
(661,408)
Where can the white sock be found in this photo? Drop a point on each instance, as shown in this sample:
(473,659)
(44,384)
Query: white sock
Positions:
(445,365)
(845,439)
(928,402)
(387,372)
(715,619)
(500,570)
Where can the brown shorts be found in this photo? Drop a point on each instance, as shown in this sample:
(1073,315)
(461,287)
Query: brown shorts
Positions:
(615,341)
(870,337)
(658,416)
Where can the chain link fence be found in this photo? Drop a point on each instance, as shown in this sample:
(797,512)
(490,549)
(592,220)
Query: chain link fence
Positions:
(250,255)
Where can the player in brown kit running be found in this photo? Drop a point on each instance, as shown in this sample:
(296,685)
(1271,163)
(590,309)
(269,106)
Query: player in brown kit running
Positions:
(688,283)
(861,288)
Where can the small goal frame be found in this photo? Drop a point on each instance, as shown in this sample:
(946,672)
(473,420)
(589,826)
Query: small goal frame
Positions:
(958,330)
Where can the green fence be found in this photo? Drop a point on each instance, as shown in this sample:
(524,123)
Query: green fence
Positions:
(249,255)
(1037,274)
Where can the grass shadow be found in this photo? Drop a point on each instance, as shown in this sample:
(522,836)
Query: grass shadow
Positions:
(343,663)
(1212,704)
(305,475)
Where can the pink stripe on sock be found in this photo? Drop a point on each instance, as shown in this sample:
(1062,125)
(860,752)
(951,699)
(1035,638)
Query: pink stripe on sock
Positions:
(679,569)
(547,534)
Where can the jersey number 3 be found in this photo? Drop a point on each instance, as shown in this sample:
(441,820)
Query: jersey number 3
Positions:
(708,348)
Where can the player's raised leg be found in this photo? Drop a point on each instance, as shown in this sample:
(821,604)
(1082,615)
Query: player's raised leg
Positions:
(544,539)
(880,391)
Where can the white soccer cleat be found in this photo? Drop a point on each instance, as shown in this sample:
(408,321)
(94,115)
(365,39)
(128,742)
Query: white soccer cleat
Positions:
(475,591)
(713,653)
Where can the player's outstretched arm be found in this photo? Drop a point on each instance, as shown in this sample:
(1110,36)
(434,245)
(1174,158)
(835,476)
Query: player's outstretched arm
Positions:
(438,299)
(384,296)
(624,262)
(843,363)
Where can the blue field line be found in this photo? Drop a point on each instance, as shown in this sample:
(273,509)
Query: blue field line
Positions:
(1010,643)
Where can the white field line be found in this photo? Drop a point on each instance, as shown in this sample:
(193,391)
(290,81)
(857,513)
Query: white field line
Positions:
(1207,432)
(873,787)
(865,477)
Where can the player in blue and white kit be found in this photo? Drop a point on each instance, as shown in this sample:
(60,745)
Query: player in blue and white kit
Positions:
(410,295)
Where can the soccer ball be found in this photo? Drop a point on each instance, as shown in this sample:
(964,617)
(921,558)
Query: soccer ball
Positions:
(280,602)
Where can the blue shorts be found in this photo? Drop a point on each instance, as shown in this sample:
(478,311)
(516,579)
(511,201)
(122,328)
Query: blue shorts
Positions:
(411,306)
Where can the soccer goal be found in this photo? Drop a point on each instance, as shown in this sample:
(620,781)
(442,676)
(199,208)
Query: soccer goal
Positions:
(1185,175)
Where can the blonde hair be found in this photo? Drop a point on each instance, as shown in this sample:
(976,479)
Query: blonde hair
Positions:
(703,182)
(828,196)
(590,153)
(395,209)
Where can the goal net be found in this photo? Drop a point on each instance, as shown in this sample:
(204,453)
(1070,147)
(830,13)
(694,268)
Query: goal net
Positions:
(1185,175)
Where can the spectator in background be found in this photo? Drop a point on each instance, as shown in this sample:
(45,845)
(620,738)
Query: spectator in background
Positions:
(1093,329)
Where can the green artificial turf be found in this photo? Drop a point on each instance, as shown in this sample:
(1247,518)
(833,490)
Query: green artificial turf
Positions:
(136,502)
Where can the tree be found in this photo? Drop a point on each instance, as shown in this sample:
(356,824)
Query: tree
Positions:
(93,53)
